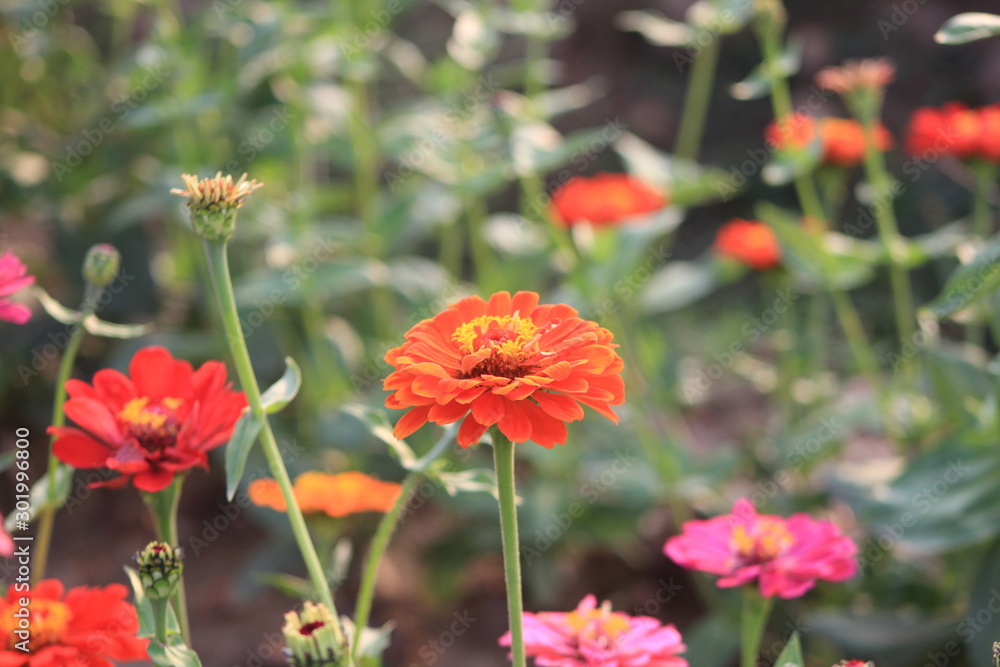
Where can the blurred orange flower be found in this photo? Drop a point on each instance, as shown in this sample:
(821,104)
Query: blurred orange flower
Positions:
(956,130)
(335,494)
(604,200)
(749,241)
(843,140)
(508,361)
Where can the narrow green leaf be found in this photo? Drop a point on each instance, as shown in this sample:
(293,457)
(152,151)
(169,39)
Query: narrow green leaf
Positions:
(757,84)
(244,435)
(970,282)
(174,653)
(791,656)
(56,310)
(656,28)
(968,27)
(98,327)
(378,425)
(281,393)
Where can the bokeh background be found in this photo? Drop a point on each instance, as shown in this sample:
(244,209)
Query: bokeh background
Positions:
(104,104)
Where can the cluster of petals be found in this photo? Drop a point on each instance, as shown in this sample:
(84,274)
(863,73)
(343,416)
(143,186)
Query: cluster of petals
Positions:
(785,556)
(88,627)
(337,495)
(510,362)
(160,420)
(871,74)
(841,140)
(956,130)
(749,241)
(592,636)
(13,278)
(604,200)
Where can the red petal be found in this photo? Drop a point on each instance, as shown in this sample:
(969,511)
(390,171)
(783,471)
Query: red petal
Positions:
(546,430)
(152,481)
(411,421)
(79,450)
(94,417)
(558,406)
(470,432)
(525,304)
(515,423)
(157,374)
(499,304)
(488,409)
(113,388)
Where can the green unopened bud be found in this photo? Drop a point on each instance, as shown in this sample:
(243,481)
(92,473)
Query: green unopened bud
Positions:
(101,264)
(311,637)
(214,202)
(160,569)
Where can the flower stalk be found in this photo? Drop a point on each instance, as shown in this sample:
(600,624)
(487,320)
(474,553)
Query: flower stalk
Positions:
(503,459)
(753,621)
(163,508)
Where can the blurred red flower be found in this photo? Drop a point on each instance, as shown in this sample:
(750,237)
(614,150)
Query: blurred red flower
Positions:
(603,200)
(785,556)
(592,636)
(89,627)
(842,140)
(509,361)
(13,279)
(749,241)
(161,420)
(6,542)
(335,494)
(956,130)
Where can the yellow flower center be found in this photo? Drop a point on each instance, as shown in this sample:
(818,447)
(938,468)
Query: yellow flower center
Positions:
(767,541)
(46,622)
(496,345)
(153,424)
(596,623)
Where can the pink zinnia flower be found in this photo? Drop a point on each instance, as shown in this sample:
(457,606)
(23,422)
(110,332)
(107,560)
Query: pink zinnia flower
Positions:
(12,279)
(592,636)
(6,542)
(786,555)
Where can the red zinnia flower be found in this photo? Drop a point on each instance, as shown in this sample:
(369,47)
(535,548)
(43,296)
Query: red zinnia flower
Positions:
(161,420)
(749,241)
(89,627)
(786,556)
(843,140)
(510,362)
(338,495)
(604,200)
(13,279)
(592,636)
(956,130)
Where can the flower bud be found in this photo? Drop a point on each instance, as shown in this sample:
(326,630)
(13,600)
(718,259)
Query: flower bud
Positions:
(311,638)
(160,569)
(101,264)
(214,202)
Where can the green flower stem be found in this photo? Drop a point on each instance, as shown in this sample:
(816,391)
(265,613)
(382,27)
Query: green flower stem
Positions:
(888,231)
(163,508)
(753,621)
(696,101)
(503,458)
(160,619)
(386,527)
(982,223)
(43,538)
(218,264)
(385,530)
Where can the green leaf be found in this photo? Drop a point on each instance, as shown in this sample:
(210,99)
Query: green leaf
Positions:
(281,393)
(679,284)
(757,84)
(970,282)
(374,641)
(39,495)
(174,653)
(98,327)
(244,435)
(968,27)
(791,655)
(56,310)
(656,28)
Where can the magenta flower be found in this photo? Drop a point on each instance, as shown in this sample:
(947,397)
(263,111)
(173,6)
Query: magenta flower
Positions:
(592,636)
(12,279)
(787,556)
(6,542)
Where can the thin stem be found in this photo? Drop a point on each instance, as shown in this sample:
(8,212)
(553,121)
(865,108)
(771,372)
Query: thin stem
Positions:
(163,508)
(888,231)
(47,521)
(379,543)
(756,611)
(696,101)
(218,264)
(982,222)
(160,619)
(503,459)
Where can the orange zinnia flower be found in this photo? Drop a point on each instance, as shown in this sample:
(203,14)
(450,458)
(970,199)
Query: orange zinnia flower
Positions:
(509,361)
(749,241)
(604,200)
(843,140)
(956,130)
(335,494)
